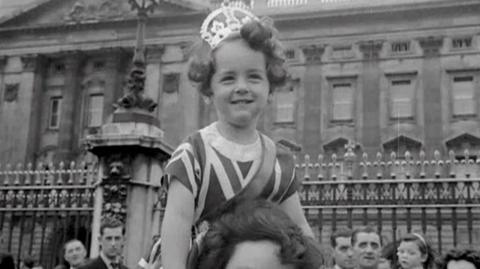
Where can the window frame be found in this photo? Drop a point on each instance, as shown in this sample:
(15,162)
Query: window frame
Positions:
(332,81)
(291,87)
(391,78)
(89,110)
(474,73)
(52,99)
(463,38)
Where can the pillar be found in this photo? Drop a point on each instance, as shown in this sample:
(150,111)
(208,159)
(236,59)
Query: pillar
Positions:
(431,74)
(370,79)
(312,138)
(33,75)
(68,139)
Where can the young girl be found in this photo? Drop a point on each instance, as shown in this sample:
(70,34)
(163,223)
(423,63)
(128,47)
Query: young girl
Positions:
(414,252)
(239,64)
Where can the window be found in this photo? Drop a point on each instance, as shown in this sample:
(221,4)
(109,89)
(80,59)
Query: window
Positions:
(400,47)
(171,82)
(54,112)
(402,99)
(95,110)
(463,94)
(461,43)
(342,99)
(285,109)
(342,52)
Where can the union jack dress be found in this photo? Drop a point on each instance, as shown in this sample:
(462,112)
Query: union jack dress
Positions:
(215,169)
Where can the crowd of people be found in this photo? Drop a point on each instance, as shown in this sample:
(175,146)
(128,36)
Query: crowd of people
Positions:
(237,188)
(362,249)
(258,234)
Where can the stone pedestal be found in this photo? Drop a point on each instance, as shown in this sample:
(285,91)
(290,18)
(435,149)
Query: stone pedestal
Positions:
(132,155)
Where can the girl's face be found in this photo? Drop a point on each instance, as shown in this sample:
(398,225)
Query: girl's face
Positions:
(409,255)
(240,88)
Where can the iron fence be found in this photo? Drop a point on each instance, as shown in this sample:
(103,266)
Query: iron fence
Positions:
(438,197)
(41,208)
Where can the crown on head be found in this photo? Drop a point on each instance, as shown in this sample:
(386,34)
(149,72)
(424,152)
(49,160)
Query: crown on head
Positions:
(224,21)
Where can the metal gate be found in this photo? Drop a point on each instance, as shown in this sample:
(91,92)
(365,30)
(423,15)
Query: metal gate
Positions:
(42,208)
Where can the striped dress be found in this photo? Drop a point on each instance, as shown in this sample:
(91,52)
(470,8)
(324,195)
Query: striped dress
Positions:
(215,169)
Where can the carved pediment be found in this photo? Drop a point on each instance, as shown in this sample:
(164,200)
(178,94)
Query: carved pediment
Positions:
(334,145)
(462,140)
(81,11)
(402,141)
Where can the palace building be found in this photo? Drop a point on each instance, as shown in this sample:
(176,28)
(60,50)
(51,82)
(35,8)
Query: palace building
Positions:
(386,75)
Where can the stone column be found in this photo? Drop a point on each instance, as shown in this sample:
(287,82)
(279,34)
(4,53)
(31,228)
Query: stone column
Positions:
(3,63)
(132,156)
(115,63)
(432,74)
(312,137)
(153,73)
(71,106)
(371,139)
(32,83)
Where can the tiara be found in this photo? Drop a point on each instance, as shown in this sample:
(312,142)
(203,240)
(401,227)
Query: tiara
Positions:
(224,21)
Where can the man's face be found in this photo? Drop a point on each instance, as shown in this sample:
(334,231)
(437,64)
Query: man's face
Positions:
(111,242)
(343,253)
(461,264)
(75,253)
(367,250)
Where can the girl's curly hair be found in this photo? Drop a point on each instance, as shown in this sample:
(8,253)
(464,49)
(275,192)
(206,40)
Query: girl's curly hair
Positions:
(257,220)
(260,37)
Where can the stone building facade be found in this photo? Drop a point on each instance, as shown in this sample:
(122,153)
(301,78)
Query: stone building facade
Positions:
(386,75)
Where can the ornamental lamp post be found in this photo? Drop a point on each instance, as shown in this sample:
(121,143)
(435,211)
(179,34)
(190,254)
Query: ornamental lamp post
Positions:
(132,153)
(135,97)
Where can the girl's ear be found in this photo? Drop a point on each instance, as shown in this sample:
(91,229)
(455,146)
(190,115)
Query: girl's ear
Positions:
(424,257)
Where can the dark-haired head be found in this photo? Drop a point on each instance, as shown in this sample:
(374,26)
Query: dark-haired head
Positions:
(111,223)
(259,36)
(343,232)
(6,261)
(459,255)
(428,253)
(257,221)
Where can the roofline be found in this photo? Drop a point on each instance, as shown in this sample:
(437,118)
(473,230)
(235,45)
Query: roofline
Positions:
(80,25)
(24,10)
(187,4)
(307,14)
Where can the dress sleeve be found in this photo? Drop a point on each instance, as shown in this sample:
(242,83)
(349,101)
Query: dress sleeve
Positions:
(289,170)
(184,167)
(293,188)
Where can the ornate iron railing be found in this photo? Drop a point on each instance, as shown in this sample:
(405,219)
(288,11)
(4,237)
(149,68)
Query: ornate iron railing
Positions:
(41,208)
(439,197)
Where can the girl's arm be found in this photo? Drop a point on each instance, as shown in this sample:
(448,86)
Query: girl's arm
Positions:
(294,210)
(176,227)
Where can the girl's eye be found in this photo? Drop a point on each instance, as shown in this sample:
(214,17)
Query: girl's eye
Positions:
(227,79)
(255,76)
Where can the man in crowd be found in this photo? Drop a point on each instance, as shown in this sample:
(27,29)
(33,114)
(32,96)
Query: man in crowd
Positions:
(367,247)
(111,241)
(461,259)
(341,242)
(74,253)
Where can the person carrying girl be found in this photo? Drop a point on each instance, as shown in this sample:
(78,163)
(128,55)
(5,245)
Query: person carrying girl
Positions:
(414,252)
(237,66)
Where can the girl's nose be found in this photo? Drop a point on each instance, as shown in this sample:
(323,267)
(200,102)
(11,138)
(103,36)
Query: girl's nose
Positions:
(242,86)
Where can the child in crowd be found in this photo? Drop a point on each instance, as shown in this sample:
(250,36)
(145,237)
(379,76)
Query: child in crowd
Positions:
(237,67)
(414,252)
